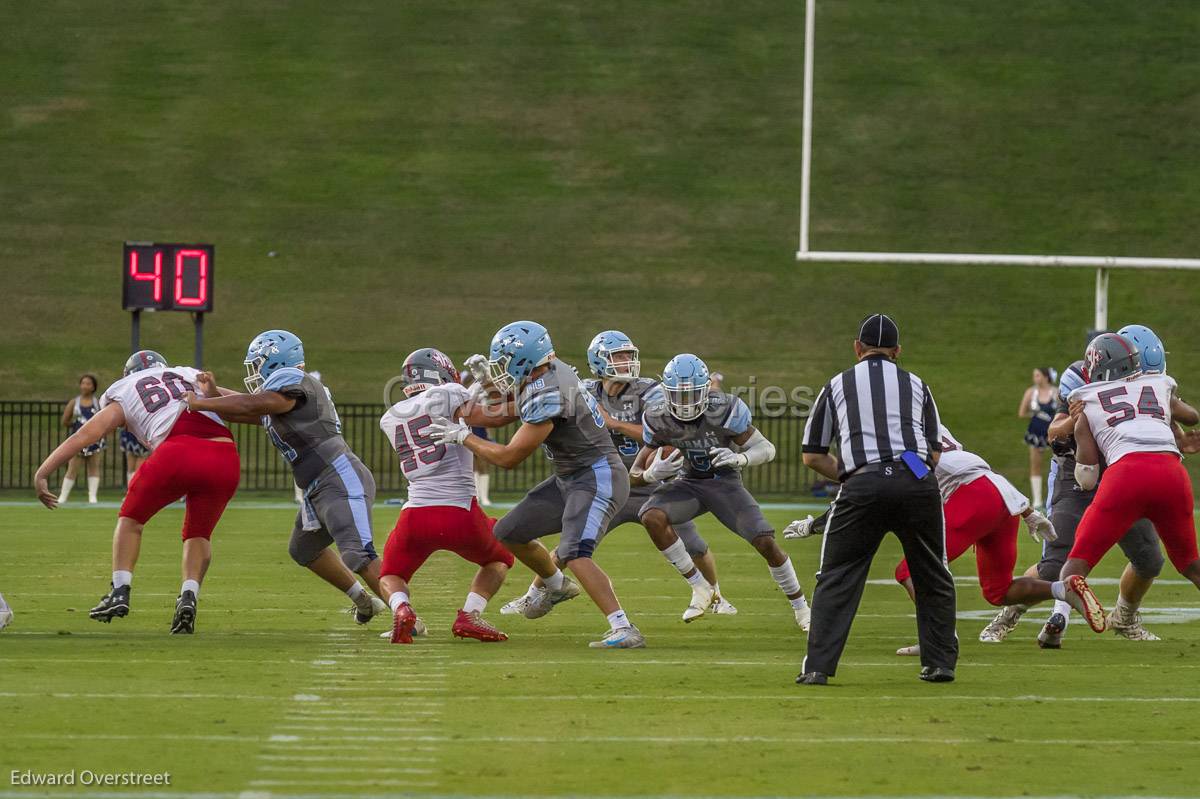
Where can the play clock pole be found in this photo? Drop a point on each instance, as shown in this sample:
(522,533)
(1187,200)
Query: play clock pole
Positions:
(168,277)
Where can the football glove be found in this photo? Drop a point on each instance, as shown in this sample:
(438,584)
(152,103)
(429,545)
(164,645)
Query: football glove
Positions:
(447,431)
(661,469)
(1040,528)
(477,366)
(800,528)
(724,457)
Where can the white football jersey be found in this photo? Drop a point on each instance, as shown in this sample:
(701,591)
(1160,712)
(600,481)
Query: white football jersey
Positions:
(956,467)
(1130,415)
(437,474)
(152,400)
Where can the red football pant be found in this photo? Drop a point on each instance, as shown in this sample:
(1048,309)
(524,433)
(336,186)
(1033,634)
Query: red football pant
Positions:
(1142,485)
(203,471)
(419,532)
(976,514)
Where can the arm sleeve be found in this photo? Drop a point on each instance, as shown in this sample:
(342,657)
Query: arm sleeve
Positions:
(738,421)
(932,422)
(542,407)
(819,430)
(648,434)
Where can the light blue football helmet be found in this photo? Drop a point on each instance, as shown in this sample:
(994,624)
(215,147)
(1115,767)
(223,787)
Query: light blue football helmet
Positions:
(685,382)
(1154,357)
(269,351)
(517,349)
(600,357)
(1072,379)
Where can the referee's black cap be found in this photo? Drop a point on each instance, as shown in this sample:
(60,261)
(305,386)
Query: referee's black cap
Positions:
(878,330)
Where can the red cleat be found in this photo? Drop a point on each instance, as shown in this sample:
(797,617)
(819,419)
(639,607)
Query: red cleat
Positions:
(472,625)
(403,623)
(1080,597)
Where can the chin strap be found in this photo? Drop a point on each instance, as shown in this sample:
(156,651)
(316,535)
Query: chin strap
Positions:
(758,450)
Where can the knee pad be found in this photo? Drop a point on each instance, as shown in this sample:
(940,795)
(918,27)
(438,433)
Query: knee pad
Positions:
(301,554)
(1149,563)
(1050,569)
(358,559)
(697,548)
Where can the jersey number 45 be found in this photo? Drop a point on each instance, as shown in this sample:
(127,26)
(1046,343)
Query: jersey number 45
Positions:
(412,444)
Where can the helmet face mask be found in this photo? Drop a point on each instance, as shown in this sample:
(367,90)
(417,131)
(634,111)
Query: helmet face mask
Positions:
(685,384)
(254,379)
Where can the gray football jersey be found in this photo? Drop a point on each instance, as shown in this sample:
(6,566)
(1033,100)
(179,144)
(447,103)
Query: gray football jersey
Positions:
(628,405)
(310,434)
(726,418)
(579,437)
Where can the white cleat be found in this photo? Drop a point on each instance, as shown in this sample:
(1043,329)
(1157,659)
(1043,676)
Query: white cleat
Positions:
(703,595)
(545,599)
(1004,623)
(6,617)
(418,629)
(378,606)
(722,607)
(909,651)
(515,607)
(1125,625)
(621,638)
(803,617)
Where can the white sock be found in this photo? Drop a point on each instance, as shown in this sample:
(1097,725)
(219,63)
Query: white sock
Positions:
(64,493)
(474,603)
(93,487)
(697,579)
(617,619)
(397,599)
(555,581)
(799,603)
(354,590)
(785,578)
(190,585)
(1035,485)
(481,487)
(1062,607)
(121,578)
(679,558)
(1058,589)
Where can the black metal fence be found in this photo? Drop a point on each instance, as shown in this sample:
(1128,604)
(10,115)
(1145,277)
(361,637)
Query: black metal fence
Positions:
(29,430)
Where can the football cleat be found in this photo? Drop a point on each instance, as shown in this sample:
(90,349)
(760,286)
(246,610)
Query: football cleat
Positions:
(1129,626)
(184,622)
(812,678)
(1051,635)
(1081,597)
(362,616)
(419,630)
(1004,623)
(6,617)
(722,607)
(909,651)
(403,622)
(621,638)
(544,600)
(803,617)
(473,625)
(936,674)
(703,595)
(114,605)
(515,607)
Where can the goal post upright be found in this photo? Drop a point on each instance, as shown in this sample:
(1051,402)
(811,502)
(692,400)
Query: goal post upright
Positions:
(1103,264)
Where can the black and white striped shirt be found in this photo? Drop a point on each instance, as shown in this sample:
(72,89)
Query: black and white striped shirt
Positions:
(874,411)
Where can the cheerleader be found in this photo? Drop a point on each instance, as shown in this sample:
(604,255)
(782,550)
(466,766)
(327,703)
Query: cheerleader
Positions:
(1039,406)
(75,415)
(135,453)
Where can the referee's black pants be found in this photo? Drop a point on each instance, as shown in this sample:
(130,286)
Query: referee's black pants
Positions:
(867,507)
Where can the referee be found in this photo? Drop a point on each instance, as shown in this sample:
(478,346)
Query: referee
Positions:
(885,424)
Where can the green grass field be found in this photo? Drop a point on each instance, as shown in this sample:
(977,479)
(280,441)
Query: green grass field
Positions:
(427,171)
(279,692)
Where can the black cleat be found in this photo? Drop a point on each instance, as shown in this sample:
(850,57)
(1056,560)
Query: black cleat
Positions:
(937,674)
(812,678)
(184,622)
(114,605)
(1052,632)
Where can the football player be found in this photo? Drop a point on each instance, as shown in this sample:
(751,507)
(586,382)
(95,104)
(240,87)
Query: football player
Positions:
(298,414)
(441,512)
(1126,417)
(192,455)
(706,427)
(982,510)
(622,394)
(589,485)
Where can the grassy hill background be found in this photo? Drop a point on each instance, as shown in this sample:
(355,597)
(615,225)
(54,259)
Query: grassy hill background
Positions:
(428,171)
